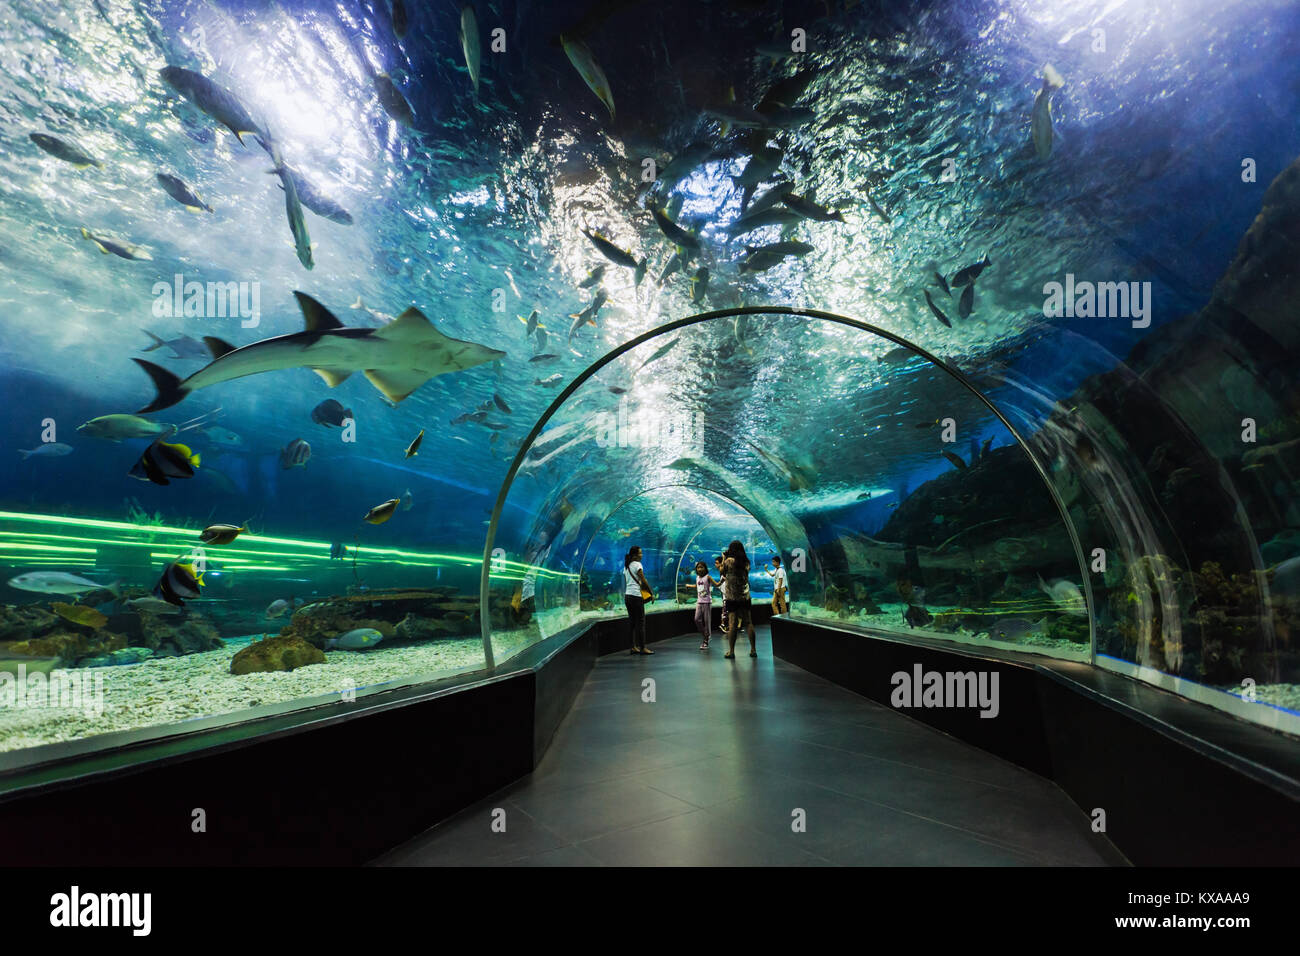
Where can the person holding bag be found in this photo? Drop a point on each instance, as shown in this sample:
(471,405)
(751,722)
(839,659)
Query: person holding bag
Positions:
(735,573)
(636,591)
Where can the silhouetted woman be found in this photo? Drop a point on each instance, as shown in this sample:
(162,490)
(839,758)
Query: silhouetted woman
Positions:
(735,574)
(634,585)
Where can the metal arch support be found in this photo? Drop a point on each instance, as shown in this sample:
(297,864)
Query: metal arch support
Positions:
(485,623)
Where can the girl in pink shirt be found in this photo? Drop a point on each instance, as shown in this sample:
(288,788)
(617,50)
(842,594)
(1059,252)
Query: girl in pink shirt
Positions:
(704,585)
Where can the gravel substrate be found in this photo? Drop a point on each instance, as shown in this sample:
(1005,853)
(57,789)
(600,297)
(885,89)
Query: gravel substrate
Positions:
(1279,695)
(891,619)
(175,689)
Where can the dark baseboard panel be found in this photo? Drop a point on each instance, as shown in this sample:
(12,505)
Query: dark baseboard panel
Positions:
(333,785)
(1185,788)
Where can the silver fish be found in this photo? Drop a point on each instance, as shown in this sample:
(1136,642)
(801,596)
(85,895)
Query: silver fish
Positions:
(1040,123)
(470,44)
(216,101)
(62,149)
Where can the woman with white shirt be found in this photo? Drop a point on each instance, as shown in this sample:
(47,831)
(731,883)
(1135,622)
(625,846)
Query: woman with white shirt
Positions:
(635,587)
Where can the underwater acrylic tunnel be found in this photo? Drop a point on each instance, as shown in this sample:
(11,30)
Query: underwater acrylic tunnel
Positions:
(350,349)
(767,485)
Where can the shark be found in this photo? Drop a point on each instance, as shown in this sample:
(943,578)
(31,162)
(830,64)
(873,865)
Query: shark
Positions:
(396,358)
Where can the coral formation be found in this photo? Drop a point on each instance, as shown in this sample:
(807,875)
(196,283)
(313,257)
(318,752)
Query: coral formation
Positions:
(283,653)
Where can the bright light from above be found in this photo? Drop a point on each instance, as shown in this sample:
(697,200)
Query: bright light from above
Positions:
(302,116)
(479,196)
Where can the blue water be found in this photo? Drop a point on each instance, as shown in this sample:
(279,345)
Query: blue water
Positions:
(474,216)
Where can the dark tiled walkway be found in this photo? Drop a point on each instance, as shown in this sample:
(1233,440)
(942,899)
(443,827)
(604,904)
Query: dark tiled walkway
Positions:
(712,771)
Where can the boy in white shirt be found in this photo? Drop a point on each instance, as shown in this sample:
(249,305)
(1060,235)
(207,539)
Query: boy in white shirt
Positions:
(780,599)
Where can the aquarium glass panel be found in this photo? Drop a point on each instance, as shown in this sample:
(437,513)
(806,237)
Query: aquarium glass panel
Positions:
(310,318)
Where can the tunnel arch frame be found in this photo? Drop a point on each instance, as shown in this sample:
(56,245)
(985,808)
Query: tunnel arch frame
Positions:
(694,534)
(485,620)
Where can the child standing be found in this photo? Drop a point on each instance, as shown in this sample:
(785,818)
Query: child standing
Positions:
(780,588)
(722,586)
(704,585)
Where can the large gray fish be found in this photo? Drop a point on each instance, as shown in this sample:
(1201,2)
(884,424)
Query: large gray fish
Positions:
(1040,124)
(767,217)
(123,250)
(293,209)
(358,639)
(313,199)
(587,315)
(759,169)
(938,312)
(805,207)
(183,347)
(392,100)
(875,206)
(53,449)
(673,264)
(118,427)
(470,44)
(175,187)
(218,102)
(699,284)
(683,164)
(972,272)
(62,149)
(57,582)
(762,258)
(660,353)
(967,303)
(584,61)
(1065,595)
(769,200)
(397,358)
(675,233)
(614,254)
(1014,629)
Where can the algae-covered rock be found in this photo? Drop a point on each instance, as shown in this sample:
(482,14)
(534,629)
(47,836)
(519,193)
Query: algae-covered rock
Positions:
(26,621)
(1066,628)
(283,653)
(175,636)
(68,646)
(403,615)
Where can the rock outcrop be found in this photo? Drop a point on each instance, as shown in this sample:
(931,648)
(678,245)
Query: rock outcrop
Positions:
(285,653)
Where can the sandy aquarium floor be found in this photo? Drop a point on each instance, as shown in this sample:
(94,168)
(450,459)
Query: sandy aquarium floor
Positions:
(176,689)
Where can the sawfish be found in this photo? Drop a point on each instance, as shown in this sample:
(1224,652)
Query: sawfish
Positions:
(396,358)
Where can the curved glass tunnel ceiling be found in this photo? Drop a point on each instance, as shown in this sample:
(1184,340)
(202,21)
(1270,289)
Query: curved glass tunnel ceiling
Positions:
(894,492)
(473,210)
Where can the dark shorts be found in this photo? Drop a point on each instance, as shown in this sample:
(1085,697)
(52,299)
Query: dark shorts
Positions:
(741,610)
